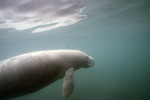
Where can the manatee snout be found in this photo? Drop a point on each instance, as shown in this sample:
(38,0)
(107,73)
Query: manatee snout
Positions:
(90,62)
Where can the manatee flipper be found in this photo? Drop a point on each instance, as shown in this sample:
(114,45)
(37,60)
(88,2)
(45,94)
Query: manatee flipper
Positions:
(68,84)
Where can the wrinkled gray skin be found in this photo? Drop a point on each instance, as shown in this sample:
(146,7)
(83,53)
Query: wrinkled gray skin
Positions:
(30,72)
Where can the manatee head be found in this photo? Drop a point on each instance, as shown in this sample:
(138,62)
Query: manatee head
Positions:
(89,61)
(81,60)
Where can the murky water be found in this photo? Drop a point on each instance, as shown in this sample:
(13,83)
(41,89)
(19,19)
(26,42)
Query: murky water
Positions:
(115,33)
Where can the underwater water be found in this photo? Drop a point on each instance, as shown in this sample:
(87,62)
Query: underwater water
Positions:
(116,33)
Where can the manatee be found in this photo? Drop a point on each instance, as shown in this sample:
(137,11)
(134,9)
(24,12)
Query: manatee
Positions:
(27,73)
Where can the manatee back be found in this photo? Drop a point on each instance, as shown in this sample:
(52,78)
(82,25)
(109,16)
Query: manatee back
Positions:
(26,73)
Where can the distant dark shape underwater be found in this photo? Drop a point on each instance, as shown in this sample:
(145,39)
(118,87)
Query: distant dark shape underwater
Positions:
(30,72)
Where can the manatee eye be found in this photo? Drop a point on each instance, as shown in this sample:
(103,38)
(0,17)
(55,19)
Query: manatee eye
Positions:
(87,57)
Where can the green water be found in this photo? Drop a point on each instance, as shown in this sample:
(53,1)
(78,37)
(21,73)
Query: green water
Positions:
(115,33)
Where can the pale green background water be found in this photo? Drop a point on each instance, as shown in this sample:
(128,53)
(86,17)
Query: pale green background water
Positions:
(116,34)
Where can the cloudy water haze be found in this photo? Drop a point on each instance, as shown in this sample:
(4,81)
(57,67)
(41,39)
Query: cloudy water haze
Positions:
(116,33)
